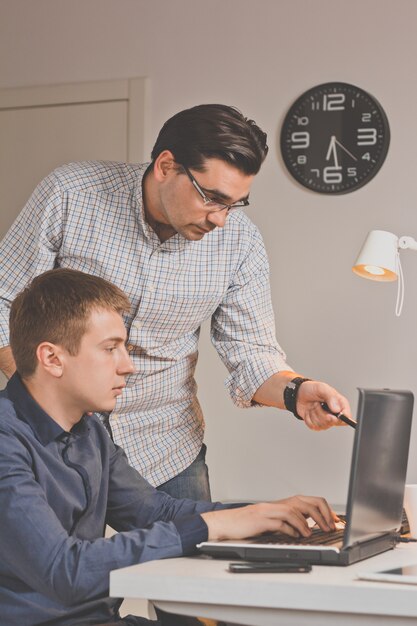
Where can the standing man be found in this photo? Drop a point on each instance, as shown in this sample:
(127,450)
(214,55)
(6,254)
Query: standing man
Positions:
(174,236)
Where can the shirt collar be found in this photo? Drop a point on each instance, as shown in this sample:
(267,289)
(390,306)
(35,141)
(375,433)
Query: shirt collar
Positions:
(29,411)
(175,243)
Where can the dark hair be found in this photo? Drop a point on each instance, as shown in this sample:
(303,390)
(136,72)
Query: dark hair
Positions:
(56,307)
(211,131)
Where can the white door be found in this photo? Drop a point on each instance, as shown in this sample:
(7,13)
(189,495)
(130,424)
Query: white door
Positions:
(43,127)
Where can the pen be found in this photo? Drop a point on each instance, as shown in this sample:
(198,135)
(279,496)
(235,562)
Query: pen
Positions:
(340,416)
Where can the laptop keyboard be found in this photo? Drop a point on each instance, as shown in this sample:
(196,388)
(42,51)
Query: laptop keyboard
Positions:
(318,537)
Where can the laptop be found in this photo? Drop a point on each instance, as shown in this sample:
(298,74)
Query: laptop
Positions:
(375,496)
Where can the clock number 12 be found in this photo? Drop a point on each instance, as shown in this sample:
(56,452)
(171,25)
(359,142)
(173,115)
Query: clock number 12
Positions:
(331,102)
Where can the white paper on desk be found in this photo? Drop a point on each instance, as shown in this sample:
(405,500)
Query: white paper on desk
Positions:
(404,574)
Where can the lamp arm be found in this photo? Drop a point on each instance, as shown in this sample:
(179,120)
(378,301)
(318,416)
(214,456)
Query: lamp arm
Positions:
(407,242)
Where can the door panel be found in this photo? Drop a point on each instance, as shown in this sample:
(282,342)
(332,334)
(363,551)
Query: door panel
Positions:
(45,126)
(36,140)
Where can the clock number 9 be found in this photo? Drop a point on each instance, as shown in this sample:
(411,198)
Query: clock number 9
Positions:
(300,140)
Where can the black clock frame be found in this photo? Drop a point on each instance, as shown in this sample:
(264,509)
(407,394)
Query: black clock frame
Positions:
(334,138)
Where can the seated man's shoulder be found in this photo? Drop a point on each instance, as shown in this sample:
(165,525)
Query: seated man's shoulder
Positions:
(15,434)
(9,419)
(98,429)
(8,414)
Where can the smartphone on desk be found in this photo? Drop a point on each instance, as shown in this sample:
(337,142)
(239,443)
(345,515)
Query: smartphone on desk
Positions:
(263,567)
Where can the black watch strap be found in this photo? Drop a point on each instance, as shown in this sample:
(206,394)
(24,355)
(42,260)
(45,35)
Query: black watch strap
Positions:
(290,394)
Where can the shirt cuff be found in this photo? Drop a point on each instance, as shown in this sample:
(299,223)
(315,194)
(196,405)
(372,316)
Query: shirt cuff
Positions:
(192,530)
(246,380)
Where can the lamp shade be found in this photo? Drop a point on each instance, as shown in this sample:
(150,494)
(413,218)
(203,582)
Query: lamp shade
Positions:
(378,258)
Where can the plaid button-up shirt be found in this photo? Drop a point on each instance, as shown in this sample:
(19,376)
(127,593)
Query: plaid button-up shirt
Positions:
(89,217)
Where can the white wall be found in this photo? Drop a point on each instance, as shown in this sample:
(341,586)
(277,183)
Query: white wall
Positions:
(260,57)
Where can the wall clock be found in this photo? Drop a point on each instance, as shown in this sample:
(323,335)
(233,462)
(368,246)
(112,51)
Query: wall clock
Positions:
(335,138)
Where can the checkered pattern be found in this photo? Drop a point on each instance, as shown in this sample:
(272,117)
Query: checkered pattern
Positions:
(89,216)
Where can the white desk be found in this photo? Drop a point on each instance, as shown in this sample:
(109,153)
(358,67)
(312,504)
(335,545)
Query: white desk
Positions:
(328,595)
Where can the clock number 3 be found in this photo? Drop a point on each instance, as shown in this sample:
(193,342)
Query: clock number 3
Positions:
(366,137)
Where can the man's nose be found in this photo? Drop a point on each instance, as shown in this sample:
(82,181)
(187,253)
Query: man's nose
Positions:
(218,218)
(126,365)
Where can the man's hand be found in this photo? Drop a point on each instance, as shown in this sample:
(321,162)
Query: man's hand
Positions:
(287,516)
(309,398)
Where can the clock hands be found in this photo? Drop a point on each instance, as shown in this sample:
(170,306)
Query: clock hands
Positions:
(345,149)
(333,151)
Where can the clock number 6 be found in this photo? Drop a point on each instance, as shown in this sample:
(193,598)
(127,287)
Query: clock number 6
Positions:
(332,174)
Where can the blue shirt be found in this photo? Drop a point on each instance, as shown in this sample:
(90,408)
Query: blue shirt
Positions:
(58,490)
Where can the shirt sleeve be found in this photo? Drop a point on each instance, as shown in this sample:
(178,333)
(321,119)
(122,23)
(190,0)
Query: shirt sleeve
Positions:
(243,327)
(31,246)
(133,502)
(71,570)
(68,569)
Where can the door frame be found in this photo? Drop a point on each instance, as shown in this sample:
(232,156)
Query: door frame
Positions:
(134,91)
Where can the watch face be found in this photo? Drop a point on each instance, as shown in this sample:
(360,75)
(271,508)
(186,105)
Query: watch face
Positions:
(334,138)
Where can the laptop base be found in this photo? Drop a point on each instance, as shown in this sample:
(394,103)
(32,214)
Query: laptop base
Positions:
(326,556)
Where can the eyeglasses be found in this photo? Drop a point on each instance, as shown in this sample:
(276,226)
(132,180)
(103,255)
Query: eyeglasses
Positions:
(209,203)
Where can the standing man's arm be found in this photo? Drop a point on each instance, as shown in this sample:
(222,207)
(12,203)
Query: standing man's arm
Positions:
(29,248)
(243,333)
(309,396)
(7,364)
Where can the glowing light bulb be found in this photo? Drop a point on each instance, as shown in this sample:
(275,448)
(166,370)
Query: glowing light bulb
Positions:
(375,270)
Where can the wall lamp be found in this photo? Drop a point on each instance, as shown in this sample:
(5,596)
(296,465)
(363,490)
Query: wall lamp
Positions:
(379,259)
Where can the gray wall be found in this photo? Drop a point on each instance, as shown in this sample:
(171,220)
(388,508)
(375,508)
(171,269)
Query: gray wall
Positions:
(260,57)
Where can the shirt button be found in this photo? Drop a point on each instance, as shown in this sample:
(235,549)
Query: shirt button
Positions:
(115,416)
(151,288)
(137,325)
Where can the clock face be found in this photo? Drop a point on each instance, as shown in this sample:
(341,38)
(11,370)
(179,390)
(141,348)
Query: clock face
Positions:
(334,138)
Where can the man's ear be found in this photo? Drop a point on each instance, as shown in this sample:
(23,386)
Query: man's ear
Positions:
(164,165)
(50,358)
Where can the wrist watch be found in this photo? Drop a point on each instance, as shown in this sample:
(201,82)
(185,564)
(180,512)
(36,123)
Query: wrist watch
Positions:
(290,394)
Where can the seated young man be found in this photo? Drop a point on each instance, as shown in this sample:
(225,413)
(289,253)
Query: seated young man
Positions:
(62,479)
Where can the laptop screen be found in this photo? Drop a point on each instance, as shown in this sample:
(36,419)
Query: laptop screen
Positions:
(379,463)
